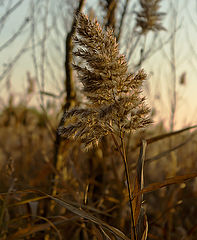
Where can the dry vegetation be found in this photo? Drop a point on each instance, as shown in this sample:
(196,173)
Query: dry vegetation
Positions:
(52,189)
(92,181)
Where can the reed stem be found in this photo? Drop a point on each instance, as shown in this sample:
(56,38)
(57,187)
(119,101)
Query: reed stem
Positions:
(124,158)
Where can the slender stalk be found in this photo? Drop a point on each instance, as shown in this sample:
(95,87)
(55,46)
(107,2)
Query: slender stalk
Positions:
(173,68)
(122,20)
(70,96)
(69,80)
(124,158)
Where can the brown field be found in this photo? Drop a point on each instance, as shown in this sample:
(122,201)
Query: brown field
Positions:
(92,181)
(95,165)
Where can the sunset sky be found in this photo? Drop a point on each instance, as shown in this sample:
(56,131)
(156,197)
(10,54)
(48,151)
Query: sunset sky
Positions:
(158,66)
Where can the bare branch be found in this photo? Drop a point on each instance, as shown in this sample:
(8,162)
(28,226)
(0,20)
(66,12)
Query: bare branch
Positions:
(9,11)
(122,19)
(15,35)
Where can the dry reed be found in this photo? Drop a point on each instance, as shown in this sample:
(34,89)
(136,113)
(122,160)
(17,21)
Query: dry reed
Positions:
(115,104)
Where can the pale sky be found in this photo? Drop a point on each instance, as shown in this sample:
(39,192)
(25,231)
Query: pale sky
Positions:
(158,64)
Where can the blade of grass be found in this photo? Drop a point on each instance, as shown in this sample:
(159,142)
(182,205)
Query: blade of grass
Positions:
(164,153)
(82,214)
(141,223)
(90,217)
(25,232)
(138,184)
(166,135)
(160,155)
(169,181)
(27,201)
(72,203)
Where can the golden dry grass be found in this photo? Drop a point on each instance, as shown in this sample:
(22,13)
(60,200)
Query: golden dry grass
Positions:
(91,189)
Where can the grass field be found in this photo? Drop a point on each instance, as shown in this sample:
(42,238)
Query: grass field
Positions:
(102,171)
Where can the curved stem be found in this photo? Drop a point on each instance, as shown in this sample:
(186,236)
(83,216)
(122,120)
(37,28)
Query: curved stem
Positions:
(124,158)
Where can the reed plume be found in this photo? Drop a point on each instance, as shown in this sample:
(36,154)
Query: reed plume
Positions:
(149,17)
(115,102)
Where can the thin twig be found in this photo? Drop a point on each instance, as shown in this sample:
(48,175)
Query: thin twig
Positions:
(122,19)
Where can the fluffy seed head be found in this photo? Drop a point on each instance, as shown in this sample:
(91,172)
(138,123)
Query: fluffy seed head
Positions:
(115,101)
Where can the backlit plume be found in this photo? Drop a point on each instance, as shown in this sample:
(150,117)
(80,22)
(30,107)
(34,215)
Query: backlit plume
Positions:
(115,101)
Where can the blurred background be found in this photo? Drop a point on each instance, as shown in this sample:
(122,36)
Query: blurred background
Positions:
(38,85)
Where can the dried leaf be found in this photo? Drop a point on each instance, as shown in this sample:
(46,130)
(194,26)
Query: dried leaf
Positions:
(140,219)
(173,180)
(27,201)
(166,135)
(162,154)
(142,226)
(31,229)
(90,217)
(138,184)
